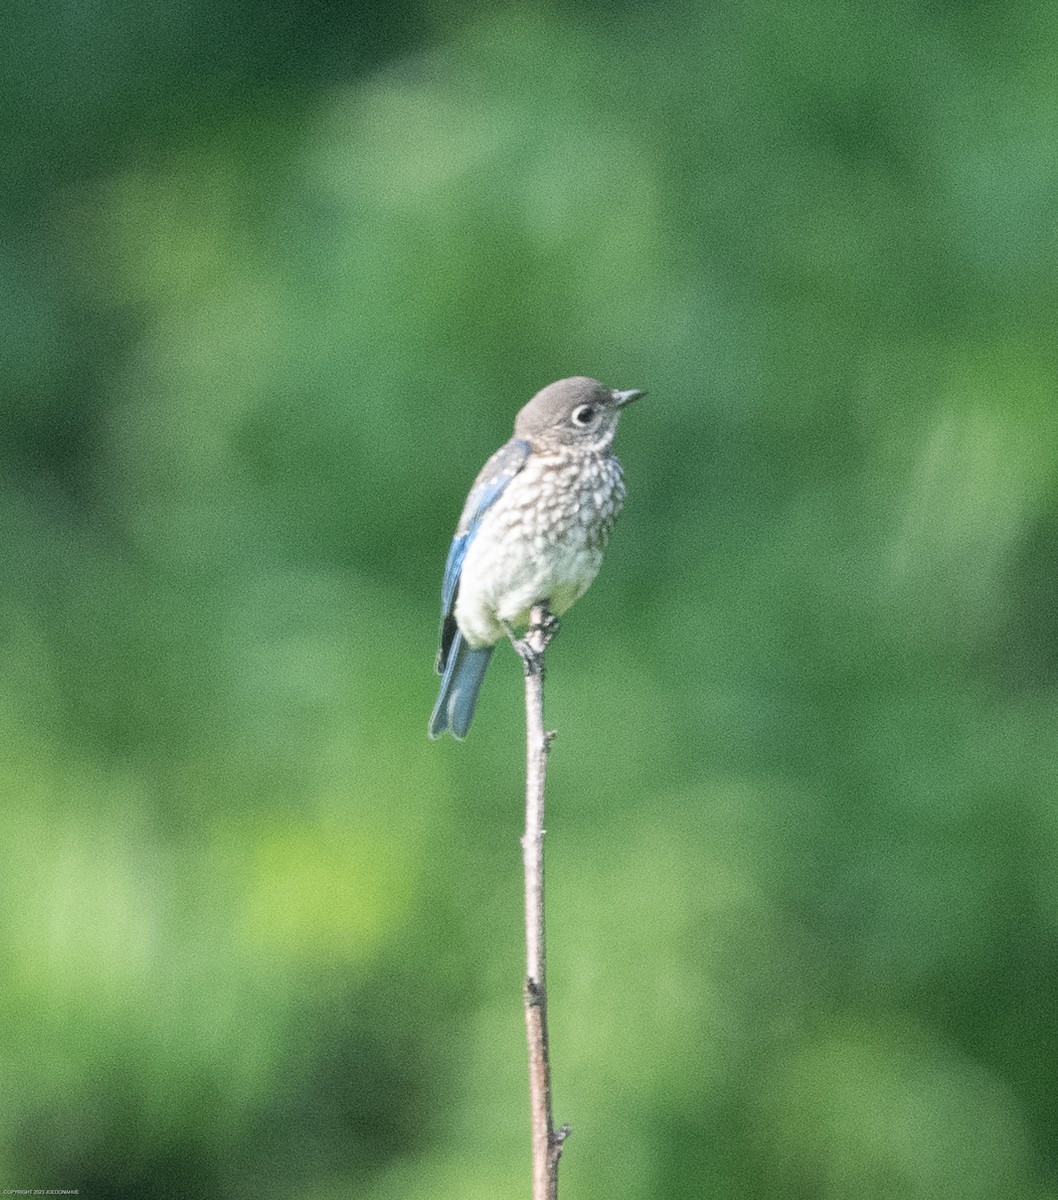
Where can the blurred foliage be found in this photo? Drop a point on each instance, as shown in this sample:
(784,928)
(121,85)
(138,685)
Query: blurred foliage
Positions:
(274,280)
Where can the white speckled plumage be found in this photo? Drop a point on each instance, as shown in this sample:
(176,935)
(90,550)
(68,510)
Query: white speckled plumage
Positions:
(545,542)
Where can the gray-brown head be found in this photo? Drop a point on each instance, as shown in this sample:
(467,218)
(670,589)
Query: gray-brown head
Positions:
(573,412)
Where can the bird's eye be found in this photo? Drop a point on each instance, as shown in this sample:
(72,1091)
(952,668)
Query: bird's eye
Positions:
(582,416)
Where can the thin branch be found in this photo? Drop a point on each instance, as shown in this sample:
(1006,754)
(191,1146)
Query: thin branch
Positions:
(547,1141)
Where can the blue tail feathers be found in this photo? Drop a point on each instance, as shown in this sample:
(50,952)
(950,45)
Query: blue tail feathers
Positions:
(464,670)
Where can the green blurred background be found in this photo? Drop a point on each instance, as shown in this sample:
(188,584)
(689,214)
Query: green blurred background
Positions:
(274,280)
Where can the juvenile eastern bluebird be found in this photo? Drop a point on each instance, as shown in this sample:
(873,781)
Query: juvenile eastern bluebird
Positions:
(532,531)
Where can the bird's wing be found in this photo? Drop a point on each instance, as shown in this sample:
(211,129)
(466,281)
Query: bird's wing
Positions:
(488,487)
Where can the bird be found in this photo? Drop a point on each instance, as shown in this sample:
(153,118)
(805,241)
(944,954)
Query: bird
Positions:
(532,531)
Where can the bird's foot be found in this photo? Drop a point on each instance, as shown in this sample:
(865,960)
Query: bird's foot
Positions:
(543,625)
(522,648)
(544,622)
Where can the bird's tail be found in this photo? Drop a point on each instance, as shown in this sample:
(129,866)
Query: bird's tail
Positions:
(460,684)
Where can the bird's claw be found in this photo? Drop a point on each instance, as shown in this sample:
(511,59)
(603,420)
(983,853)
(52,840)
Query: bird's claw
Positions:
(522,648)
(548,625)
(530,648)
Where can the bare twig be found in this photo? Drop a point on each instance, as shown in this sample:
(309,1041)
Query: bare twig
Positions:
(547,1141)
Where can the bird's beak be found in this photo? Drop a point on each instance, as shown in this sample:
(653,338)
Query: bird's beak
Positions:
(620,399)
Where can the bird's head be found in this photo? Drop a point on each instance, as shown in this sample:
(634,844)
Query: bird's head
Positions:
(573,412)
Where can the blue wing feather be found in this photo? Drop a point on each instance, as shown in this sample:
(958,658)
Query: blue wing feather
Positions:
(493,478)
(456,554)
